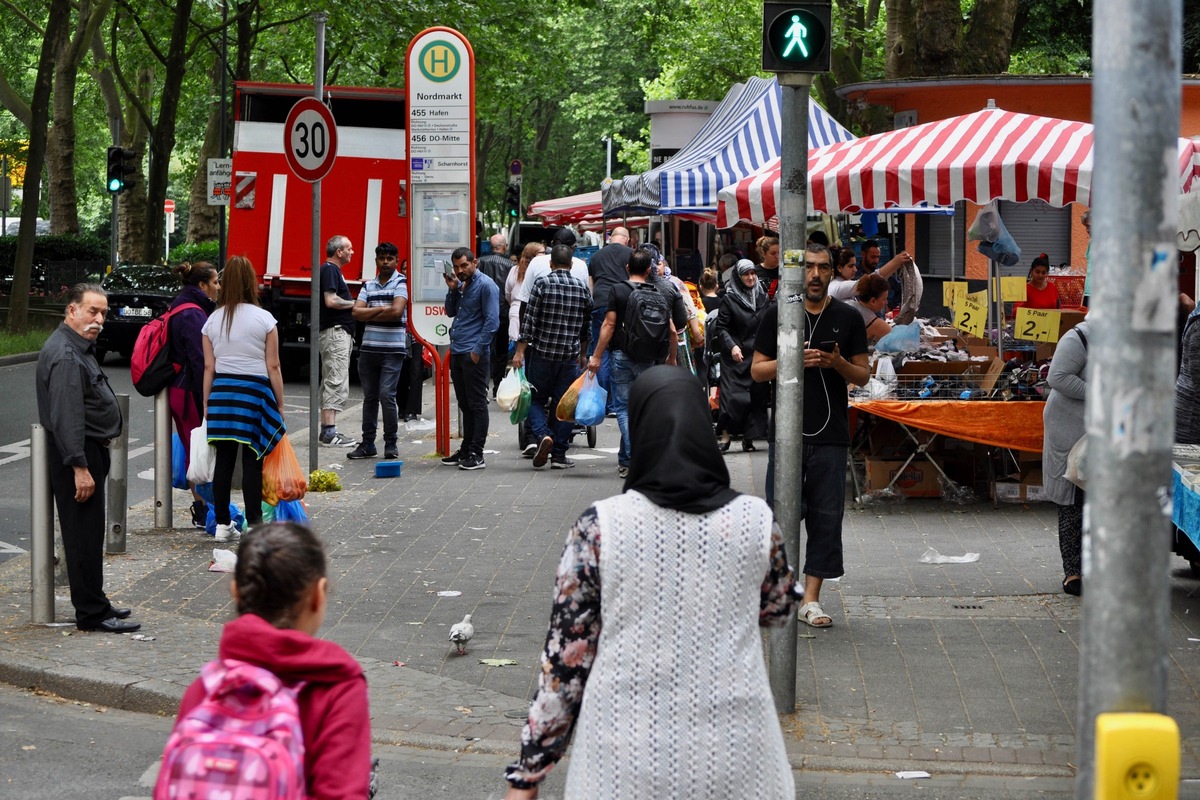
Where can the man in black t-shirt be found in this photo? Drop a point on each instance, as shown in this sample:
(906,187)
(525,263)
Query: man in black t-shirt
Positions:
(336,322)
(608,267)
(835,354)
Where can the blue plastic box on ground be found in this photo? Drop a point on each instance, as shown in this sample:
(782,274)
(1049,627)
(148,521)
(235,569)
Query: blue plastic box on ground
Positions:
(388,469)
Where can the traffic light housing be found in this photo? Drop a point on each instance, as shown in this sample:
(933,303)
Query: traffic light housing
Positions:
(122,168)
(796,36)
(512,202)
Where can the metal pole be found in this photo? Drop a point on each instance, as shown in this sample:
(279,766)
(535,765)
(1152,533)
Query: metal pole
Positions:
(789,384)
(1130,415)
(224,88)
(116,203)
(162,461)
(41,530)
(117,502)
(314,308)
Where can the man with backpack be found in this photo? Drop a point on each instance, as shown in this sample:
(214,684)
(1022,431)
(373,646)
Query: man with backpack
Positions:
(639,331)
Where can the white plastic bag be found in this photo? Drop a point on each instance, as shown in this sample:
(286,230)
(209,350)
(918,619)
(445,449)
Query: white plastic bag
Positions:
(203,456)
(986,227)
(508,393)
(886,371)
(223,561)
(1077,463)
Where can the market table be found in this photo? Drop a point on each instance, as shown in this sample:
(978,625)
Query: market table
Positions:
(1013,425)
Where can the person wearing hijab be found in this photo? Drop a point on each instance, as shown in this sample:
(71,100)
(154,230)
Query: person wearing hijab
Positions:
(657,672)
(743,403)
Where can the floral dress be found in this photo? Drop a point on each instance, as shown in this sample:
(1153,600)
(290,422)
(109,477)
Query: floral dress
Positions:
(677,702)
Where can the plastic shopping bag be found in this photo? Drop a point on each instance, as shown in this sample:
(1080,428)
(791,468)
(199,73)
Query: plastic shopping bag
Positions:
(508,393)
(592,400)
(282,477)
(291,511)
(1077,463)
(178,463)
(521,412)
(570,398)
(986,227)
(203,456)
(902,339)
(235,516)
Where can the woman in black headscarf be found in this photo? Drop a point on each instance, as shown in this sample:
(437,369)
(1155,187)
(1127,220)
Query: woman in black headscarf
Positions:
(690,569)
(743,409)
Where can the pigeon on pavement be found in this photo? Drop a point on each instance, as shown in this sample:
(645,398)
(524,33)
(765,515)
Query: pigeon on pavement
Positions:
(461,633)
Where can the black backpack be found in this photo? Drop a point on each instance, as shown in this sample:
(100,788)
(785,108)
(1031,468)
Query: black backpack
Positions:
(647,326)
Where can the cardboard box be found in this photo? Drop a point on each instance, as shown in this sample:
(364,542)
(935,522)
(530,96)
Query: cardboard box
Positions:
(1028,490)
(919,478)
(921,368)
(1069,319)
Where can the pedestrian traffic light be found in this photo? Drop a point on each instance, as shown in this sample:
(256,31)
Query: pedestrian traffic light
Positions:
(512,202)
(796,36)
(122,167)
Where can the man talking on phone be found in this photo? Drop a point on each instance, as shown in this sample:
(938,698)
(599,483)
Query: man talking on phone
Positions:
(835,354)
(472,300)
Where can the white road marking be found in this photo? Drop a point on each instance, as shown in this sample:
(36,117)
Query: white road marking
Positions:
(18,450)
(5,547)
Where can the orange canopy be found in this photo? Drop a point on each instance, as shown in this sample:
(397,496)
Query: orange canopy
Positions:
(1016,425)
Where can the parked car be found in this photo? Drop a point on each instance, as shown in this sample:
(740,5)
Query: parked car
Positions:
(136,295)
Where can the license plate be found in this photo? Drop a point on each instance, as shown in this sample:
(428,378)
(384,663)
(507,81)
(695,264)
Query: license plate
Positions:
(136,312)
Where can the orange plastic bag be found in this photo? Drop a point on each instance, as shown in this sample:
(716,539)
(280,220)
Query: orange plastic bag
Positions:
(565,411)
(282,477)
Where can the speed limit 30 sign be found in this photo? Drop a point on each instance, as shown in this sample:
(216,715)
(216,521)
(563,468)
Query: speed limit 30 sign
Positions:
(310,139)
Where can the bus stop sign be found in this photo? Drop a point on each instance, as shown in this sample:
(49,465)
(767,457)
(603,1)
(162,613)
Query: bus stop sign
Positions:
(796,36)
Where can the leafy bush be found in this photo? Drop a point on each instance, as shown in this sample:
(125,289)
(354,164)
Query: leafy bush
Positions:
(192,253)
(55,248)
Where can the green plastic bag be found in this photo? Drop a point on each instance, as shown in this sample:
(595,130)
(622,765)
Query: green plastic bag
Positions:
(521,411)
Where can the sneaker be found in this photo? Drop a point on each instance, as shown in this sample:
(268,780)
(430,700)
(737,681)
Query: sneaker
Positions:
(622,472)
(200,514)
(336,439)
(561,462)
(362,451)
(543,452)
(470,462)
(226,533)
(454,459)
(391,453)
(529,450)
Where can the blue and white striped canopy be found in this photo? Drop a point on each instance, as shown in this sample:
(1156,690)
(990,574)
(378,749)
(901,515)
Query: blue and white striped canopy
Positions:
(741,136)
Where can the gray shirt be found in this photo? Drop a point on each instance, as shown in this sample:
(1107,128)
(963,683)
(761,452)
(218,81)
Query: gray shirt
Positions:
(70,380)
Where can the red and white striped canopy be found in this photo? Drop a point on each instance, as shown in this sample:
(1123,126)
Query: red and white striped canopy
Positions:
(565,210)
(990,154)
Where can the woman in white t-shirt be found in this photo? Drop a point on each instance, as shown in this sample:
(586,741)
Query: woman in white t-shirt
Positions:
(243,391)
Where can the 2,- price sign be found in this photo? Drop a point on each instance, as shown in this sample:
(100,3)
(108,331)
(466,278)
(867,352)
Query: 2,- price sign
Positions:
(1012,289)
(952,291)
(1037,324)
(970,313)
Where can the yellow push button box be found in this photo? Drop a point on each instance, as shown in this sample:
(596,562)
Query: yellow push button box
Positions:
(1137,757)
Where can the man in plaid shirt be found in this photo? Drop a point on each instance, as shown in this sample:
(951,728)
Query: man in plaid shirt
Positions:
(555,330)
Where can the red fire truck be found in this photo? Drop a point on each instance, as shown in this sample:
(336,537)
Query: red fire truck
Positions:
(363,196)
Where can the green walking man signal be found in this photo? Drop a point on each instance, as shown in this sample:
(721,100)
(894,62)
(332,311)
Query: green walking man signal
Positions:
(796,36)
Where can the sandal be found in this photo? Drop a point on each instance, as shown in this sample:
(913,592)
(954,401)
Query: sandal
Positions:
(814,616)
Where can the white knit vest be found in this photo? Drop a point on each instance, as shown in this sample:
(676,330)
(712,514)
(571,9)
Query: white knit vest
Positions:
(677,704)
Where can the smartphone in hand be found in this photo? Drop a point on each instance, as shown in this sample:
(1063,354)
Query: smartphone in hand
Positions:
(827,347)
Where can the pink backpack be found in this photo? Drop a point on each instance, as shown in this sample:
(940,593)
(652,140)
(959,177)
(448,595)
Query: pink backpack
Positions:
(243,742)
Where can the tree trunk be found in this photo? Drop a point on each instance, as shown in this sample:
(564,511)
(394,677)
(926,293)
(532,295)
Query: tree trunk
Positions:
(56,25)
(901,56)
(133,203)
(60,146)
(939,37)
(203,219)
(990,37)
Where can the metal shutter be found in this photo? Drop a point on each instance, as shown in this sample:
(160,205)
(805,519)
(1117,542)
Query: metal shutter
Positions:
(1038,228)
(937,258)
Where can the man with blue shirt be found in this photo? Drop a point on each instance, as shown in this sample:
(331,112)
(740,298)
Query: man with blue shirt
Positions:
(472,301)
(381,305)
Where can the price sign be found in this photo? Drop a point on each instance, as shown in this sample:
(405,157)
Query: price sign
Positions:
(970,314)
(951,291)
(1037,324)
(1012,289)
(310,139)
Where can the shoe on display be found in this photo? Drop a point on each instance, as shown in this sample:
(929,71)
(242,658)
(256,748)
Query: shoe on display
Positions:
(561,462)
(226,533)
(362,451)
(453,459)
(336,439)
(471,463)
(543,452)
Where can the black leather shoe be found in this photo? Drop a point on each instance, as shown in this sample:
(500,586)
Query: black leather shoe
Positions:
(112,625)
(120,613)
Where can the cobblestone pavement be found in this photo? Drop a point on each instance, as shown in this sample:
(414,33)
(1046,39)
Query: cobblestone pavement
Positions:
(963,670)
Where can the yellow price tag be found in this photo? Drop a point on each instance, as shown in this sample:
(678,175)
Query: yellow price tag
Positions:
(1039,325)
(970,314)
(1012,289)
(951,291)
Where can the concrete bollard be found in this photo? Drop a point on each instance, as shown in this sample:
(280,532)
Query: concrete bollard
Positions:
(117,499)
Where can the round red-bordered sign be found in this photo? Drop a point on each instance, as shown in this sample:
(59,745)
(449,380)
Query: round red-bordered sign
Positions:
(310,139)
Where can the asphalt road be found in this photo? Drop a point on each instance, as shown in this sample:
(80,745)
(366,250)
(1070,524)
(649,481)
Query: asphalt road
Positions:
(20,411)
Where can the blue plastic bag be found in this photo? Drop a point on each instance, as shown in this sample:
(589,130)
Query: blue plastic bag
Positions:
(589,409)
(902,339)
(235,516)
(178,463)
(205,490)
(291,511)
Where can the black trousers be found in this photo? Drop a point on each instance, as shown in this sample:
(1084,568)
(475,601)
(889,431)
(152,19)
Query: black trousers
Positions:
(471,390)
(252,469)
(83,527)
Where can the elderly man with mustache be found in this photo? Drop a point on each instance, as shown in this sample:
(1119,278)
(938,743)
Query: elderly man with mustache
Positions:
(79,411)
